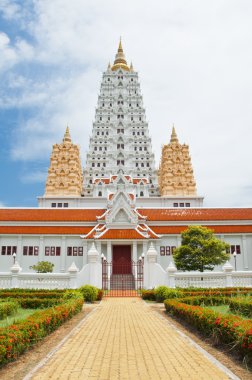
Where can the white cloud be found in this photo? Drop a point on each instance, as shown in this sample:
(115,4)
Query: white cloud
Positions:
(194,60)
(9,8)
(34,176)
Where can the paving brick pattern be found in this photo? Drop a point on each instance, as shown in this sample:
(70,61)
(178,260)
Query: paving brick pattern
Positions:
(125,339)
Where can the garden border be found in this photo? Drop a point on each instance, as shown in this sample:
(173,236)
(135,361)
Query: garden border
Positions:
(42,362)
(209,356)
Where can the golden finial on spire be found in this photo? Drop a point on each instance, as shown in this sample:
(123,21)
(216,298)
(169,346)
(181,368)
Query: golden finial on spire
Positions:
(131,67)
(120,61)
(67,137)
(174,138)
(109,67)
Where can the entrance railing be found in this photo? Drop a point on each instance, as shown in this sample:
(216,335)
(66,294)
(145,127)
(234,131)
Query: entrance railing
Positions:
(124,280)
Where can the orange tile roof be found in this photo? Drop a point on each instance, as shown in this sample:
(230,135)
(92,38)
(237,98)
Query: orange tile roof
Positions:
(122,234)
(68,215)
(168,230)
(116,234)
(194,214)
(44,230)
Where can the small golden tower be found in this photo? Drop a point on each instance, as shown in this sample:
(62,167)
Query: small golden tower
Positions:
(120,61)
(176,172)
(65,171)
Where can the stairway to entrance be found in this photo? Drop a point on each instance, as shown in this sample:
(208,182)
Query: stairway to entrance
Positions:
(122,281)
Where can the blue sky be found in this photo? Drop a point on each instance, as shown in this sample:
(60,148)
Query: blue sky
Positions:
(194,60)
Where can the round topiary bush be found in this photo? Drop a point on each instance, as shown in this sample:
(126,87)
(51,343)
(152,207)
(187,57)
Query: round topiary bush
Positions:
(163,292)
(72,294)
(89,293)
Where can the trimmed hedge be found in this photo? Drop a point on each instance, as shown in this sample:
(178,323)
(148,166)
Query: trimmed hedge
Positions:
(39,303)
(163,292)
(230,330)
(8,308)
(242,306)
(34,294)
(18,338)
(219,292)
(148,295)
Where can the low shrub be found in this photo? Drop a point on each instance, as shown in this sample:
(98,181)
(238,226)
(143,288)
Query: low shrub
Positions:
(38,303)
(19,337)
(163,292)
(227,292)
(34,294)
(89,293)
(148,295)
(8,308)
(230,330)
(242,306)
(72,294)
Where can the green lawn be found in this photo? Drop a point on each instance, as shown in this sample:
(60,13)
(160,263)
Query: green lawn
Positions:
(223,309)
(20,314)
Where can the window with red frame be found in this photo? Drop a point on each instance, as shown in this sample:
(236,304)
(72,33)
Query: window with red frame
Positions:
(52,251)
(74,251)
(8,250)
(30,250)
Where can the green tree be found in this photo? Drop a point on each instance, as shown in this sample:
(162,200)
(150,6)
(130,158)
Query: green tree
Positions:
(43,267)
(200,250)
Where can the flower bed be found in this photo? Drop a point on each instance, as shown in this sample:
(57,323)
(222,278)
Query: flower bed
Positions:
(230,330)
(19,337)
(219,292)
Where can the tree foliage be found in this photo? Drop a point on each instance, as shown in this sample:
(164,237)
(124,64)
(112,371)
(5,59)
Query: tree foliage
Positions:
(43,267)
(200,250)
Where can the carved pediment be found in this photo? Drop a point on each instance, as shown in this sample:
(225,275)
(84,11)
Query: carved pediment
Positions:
(121,211)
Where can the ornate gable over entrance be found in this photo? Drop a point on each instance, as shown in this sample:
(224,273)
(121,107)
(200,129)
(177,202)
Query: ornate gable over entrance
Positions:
(121,211)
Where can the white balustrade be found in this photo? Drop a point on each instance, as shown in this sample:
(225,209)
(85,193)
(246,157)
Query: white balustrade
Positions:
(171,277)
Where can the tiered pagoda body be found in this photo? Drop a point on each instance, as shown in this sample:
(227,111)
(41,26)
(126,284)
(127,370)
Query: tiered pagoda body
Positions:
(120,141)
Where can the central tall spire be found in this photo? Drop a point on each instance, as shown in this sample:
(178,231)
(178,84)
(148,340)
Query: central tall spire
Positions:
(120,61)
(120,145)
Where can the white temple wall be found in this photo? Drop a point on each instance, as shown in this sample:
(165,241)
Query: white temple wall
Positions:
(63,262)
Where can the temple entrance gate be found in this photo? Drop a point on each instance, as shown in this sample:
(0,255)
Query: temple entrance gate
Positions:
(122,277)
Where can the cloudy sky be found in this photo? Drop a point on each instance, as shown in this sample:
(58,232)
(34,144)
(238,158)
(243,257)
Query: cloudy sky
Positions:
(194,60)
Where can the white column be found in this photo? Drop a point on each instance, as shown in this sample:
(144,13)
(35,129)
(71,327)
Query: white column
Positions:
(228,269)
(98,246)
(150,280)
(134,251)
(244,252)
(171,270)
(85,251)
(109,251)
(63,254)
(19,257)
(145,247)
(95,267)
(41,249)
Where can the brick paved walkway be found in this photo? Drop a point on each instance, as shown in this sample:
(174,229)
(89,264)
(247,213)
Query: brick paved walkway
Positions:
(125,339)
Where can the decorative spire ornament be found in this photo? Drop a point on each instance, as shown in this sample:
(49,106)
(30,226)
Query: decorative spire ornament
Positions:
(120,61)
(174,138)
(67,137)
